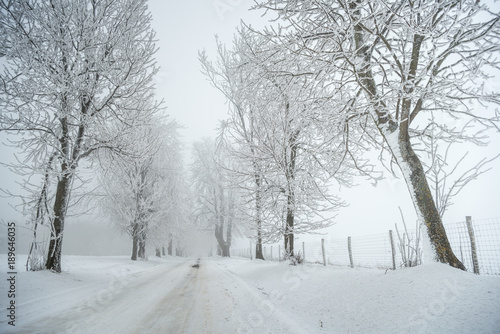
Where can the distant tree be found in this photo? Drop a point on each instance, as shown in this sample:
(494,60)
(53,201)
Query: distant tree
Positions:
(215,198)
(229,81)
(142,190)
(386,65)
(76,74)
(176,218)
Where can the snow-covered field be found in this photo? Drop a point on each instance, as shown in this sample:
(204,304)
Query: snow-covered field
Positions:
(169,295)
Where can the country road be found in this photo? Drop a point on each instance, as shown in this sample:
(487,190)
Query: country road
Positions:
(187,297)
(168,295)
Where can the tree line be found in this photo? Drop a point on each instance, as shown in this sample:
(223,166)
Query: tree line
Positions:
(77,89)
(329,81)
(310,96)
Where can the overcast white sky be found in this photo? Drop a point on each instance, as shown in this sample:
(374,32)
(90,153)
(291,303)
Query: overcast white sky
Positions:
(183,28)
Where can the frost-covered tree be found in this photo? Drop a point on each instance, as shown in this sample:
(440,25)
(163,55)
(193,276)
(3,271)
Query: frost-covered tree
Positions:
(226,77)
(277,131)
(143,189)
(387,65)
(176,217)
(448,173)
(76,74)
(215,200)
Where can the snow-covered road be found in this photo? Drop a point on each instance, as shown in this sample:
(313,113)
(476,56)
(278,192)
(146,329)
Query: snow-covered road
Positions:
(185,297)
(227,295)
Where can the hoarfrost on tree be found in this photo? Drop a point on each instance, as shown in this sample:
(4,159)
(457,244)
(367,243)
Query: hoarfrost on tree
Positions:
(385,66)
(76,74)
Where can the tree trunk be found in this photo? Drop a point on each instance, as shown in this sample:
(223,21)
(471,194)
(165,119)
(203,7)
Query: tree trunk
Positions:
(170,244)
(223,245)
(135,242)
(258,249)
(258,207)
(60,205)
(289,227)
(142,248)
(219,228)
(142,243)
(290,179)
(229,231)
(424,203)
(225,250)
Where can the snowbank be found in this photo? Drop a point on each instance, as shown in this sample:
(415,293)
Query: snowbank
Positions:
(433,298)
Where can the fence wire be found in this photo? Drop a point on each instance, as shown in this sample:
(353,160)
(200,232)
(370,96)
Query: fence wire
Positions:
(487,239)
(367,251)
(375,250)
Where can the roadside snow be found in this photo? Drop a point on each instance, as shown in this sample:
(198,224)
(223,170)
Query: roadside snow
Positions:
(433,298)
(85,280)
(116,295)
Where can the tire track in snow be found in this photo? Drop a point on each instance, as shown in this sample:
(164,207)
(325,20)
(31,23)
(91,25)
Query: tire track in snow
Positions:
(111,311)
(182,310)
(259,315)
(173,299)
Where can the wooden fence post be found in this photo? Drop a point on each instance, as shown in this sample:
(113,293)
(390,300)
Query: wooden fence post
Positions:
(350,251)
(323,251)
(475,263)
(279,253)
(251,256)
(393,250)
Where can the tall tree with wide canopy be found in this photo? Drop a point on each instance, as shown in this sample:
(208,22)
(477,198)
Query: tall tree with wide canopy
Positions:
(215,200)
(76,74)
(388,65)
(141,191)
(276,131)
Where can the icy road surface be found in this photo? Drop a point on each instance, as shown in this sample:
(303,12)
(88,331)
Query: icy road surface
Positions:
(184,297)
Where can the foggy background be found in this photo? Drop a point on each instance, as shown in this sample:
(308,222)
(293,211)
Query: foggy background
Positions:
(183,28)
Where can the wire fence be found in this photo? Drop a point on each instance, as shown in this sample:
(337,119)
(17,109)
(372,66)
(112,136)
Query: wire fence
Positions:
(484,234)
(475,242)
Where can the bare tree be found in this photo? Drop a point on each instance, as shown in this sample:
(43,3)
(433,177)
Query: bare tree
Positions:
(448,174)
(277,131)
(387,65)
(141,189)
(216,200)
(241,121)
(77,73)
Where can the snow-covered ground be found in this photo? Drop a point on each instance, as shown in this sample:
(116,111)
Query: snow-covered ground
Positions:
(169,295)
